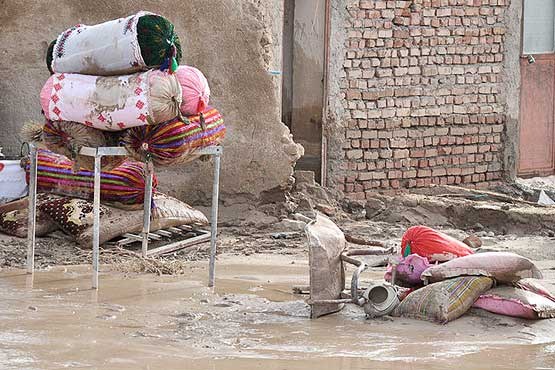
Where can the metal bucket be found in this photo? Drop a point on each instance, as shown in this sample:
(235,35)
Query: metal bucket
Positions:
(381,300)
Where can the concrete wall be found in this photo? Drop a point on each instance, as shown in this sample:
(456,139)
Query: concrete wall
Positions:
(234,42)
(420,92)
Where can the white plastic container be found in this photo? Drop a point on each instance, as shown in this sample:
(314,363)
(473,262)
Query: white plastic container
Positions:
(12,181)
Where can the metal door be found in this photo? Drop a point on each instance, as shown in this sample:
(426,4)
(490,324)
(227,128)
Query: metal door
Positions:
(537,116)
(537,99)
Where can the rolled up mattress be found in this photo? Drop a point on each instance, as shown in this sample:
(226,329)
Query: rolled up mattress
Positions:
(67,138)
(135,43)
(122,186)
(175,141)
(194,89)
(112,103)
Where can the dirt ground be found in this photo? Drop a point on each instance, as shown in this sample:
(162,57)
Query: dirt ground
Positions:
(246,229)
(252,319)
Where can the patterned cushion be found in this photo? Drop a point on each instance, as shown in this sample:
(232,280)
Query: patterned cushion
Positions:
(14,217)
(75,217)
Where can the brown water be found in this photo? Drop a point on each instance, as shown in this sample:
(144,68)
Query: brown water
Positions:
(251,321)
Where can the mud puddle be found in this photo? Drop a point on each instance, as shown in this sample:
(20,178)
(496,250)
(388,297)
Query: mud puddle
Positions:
(251,321)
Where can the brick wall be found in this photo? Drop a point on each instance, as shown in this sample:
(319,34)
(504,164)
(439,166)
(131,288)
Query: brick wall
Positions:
(422,91)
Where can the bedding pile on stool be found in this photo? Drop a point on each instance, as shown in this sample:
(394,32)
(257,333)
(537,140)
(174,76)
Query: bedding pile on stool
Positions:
(115,84)
(119,83)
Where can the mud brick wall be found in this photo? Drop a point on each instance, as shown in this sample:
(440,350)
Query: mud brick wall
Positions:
(421,91)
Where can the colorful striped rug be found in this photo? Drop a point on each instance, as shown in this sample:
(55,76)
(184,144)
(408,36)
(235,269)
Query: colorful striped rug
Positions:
(122,185)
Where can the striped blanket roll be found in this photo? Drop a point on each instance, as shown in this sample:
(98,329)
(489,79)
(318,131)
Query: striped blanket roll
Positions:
(175,141)
(122,185)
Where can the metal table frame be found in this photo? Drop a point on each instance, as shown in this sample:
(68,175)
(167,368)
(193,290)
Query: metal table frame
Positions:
(98,153)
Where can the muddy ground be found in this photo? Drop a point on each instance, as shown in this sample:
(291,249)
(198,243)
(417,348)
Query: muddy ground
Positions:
(252,319)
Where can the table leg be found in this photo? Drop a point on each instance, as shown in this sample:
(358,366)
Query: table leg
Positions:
(214,221)
(96,220)
(146,207)
(32,209)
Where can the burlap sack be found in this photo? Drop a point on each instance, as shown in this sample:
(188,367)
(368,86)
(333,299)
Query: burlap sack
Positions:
(327,276)
(535,286)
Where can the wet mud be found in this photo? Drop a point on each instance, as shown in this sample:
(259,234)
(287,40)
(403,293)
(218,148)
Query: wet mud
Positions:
(251,320)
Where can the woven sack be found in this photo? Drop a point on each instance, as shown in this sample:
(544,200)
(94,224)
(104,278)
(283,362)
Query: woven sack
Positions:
(516,302)
(535,286)
(326,242)
(112,103)
(122,187)
(504,267)
(444,301)
(135,43)
(432,244)
(75,217)
(175,141)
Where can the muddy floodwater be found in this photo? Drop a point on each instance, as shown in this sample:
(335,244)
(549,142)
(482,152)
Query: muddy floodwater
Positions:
(53,320)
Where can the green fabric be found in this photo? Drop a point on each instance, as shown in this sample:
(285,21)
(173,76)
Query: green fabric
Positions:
(50,55)
(407,250)
(156,36)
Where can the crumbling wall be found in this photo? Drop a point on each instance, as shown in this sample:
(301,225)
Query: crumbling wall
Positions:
(234,42)
(420,94)
(511,88)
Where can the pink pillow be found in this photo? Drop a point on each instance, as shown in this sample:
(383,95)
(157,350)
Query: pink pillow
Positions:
(194,88)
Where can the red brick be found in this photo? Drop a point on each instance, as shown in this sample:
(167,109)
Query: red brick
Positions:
(422,89)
